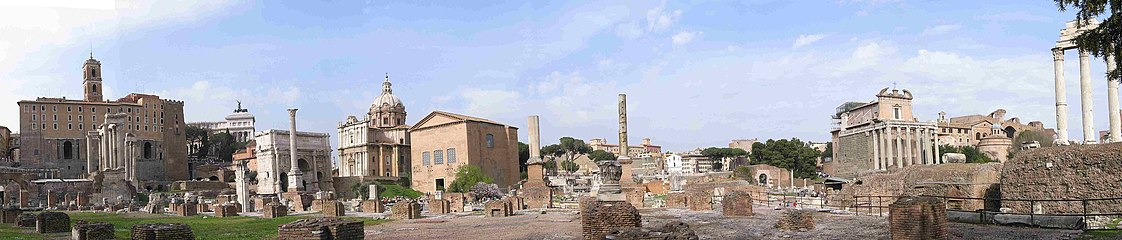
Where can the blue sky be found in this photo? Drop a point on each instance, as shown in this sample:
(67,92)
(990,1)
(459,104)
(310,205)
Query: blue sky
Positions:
(697,74)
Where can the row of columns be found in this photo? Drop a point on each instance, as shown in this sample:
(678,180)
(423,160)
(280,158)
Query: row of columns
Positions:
(115,150)
(902,146)
(1089,133)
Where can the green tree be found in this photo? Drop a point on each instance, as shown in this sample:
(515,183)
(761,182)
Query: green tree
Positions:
(973,155)
(1103,40)
(570,166)
(717,155)
(197,134)
(225,145)
(829,150)
(523,156)
(467,176)
(569,149)
(794,155)
(601,155)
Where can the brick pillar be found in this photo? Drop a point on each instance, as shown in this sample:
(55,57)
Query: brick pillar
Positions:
(917,218)
(598,218)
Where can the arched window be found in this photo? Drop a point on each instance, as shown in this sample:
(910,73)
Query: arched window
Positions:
(490,140)
(93,88)
(147,150)
(67,150)
(896,112)
(303,165)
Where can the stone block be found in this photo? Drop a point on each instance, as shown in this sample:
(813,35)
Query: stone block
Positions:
(184,209)
(498,208)
(796,220)
(331,208)
(676,230)
(917,218)
(700,201)
(635,195)
(52,222)
(439,206)
(598,218)
(321,228)
(162,231)
(10,214)
(406,210)
(1064,172)
(677,200)
(26,220)
(373,206)
(228,210)
(737,203)
(537,196)
(92,231)
(275,210)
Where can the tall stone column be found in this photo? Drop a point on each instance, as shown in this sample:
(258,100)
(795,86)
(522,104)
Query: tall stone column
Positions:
(938,155)
(623,147)
(876,149)
(295,177)
(899,138)
(1112,103)
(888,150)
(909,149)
(1089,135)
(918,147)
(1061,96)
(534,173)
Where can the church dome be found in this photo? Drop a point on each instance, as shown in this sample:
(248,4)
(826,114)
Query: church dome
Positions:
(387,101)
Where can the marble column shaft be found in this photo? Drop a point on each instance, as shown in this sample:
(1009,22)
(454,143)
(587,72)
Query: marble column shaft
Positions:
(876,149)
(1112,103)
(1087,107)
(1061,95)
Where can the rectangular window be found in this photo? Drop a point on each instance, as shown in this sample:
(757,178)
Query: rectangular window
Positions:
(451,155)
(69,126)
(68,108)
(92,109)
(43,126)
(54,108)
(56,126)
(438,157)
(80,126)
(425,158)
(32,117)
(439,184)
(79,108)
(56,117)
(94,119)
(79,118)
(490,140)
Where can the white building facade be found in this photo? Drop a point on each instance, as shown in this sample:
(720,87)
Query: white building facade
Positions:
(313,151)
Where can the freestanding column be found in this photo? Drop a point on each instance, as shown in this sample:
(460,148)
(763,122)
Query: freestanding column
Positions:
(888,147)
(623,148)
(876,149)
(295,177)
(1112,103)
(535,137)
(1085,94)
(938,155)
(898,137)
(1061,96)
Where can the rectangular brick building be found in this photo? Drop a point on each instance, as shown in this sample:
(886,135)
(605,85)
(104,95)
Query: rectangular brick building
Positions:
(442,142)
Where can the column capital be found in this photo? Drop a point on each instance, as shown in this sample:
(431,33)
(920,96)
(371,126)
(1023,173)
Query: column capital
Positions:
(1058,54)
(1083,54)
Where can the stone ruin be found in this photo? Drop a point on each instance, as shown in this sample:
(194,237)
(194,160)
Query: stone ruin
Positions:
(1065,172)
(52,222)
(457,201)
(26,220)
(407,209)
(969,180)
(796,220)
(598,218)
(439,206)
(700,200)
(275,210)
(917,218)
(737,203)
(10,214)
(332,208)
(677,200)
(92,231)
(183,208)
(226,210)
(498,208)
(674,230)
(373,202)
(162,231)
(321,228)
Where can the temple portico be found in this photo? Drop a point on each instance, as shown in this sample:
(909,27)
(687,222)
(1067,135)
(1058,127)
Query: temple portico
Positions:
(1067,35)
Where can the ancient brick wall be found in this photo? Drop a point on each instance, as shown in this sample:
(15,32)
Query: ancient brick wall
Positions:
(737,203)
(635,194)
(373,206)
(853,156)
(950,179)
(275,210)
(162,231)
(700,200)
(796,220)
(1067,172)
(92,231)
(498,208)
(10,214)
(406,210)
(598,218)
(537,197)
(919,218)
(184,209)
(321,228)
(52,222)
(227,210)
(677,200)
(439,206)
(26,220)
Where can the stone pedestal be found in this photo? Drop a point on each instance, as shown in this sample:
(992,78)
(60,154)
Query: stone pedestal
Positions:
(677,200)
(737,203)
(92,231)
(227,210)
(373,206)
(154,231)
(321,228)
(331,208)
(52,222)
(406,210)
(700,201)
(439,206)
(796,220)
(298,201)
(598,218)
(498,208)
(917,218)
(274,210)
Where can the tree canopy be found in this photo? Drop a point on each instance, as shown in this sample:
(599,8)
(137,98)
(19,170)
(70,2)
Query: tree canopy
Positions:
(794,155)
(601,155)
(1105,39)
(973,155)
(717,154)
(197,134)
(523,156)
(568,150)
(467,176)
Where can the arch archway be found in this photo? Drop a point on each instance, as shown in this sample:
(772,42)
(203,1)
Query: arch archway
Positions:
(213,178)
(303,165)
(1010,132)
(763,179)
(283,182)
(147,150)
(67,150)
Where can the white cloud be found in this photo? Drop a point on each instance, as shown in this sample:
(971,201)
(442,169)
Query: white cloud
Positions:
(684,37)
(941,29)
(629,30)
(487,103)
(804,40)
(659,18)
(868,55)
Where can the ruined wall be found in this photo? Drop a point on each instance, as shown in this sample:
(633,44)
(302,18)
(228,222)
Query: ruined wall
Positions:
(919,218)
(1067,172)
(951,179)
(854,155)
(598,218)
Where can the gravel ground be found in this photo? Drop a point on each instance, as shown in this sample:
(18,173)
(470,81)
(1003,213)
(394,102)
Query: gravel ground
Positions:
(707,225)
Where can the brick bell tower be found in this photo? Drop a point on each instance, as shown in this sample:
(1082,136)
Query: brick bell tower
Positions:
(91,86)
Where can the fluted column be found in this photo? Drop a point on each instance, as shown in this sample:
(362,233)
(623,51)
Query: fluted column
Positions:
(1088,106)
(1112,103)
(876,150)
(295,177)
(1061,96)
(899,139)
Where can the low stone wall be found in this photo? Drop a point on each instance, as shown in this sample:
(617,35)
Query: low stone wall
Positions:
(537,196)
(1066,172)
(457,200)
(598,218)
(26,220)
(332,208)
(406,210)
(439,206)
(10,214)
(917,218)
(321,228)
(92,231)
(677,200)
(228,210)
(676,230)
(635,194)
(275,210)
(700,200)
(971,180)
(737,203)
(162,231)
(498,208)
(199,185)
(52,222)
(184,209)
(796,220)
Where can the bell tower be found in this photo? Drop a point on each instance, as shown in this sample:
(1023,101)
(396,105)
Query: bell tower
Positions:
(91,86)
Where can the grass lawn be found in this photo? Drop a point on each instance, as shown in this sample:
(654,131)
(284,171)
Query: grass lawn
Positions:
(204,228)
